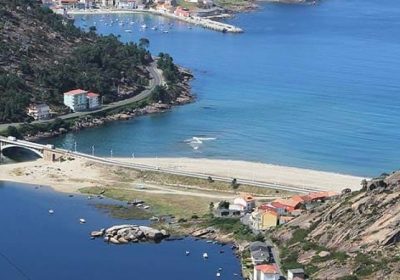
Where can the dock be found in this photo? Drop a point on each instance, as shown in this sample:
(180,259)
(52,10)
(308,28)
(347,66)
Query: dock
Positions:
(195,20)
(204,22)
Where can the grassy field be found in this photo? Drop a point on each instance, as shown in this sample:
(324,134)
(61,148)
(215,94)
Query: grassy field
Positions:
(167,194)
(130,175)
(161,204)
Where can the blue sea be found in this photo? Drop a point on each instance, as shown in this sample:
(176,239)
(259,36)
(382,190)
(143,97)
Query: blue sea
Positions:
(36,245)
(314,86)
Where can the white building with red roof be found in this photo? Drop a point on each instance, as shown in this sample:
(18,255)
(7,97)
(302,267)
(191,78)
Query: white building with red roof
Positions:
(266,272)
(93,100)
(76,100)
(81,100)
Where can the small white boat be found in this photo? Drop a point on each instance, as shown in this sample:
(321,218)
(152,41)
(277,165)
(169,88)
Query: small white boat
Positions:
(154,28)
(51,211)
(82,221)
(205,256)
(128,31)
(146,207)
(165,31)
(218,274)
(154,219)
(144,26)
(187,253)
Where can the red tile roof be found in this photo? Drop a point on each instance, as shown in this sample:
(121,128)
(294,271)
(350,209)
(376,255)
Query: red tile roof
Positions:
(267,268)
(92,94)
(247,197)
(287,202)
(267,207)
(75,92)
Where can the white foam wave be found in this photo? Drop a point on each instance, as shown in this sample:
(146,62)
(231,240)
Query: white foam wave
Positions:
(196,142)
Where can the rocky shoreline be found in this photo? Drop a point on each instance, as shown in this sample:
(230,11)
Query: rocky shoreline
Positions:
(91,121)
(124,234)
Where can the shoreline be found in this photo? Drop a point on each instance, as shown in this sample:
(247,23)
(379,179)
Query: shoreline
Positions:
(195,20)
(257,171)
(125,111)
(49,173)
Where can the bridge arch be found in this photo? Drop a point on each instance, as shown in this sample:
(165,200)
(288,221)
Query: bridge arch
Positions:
(8,146)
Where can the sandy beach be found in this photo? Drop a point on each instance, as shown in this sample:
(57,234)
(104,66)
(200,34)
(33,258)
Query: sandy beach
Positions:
(269,173)
(69,176)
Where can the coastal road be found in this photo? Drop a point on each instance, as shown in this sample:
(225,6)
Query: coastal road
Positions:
(198,175)
(155,168)
(156,79)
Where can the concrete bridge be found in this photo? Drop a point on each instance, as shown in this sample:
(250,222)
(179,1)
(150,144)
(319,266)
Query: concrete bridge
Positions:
(47,152)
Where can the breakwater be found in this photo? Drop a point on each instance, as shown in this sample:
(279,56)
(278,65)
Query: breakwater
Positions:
(203,22)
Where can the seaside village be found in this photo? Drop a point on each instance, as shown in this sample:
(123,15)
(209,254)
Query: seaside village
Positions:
(76,100)
(178,8)
(260,217)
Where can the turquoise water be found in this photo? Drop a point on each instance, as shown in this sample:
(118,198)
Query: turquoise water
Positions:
(307,86)
(38,246)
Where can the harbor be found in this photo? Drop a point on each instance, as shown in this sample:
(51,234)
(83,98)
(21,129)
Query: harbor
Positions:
(195,20)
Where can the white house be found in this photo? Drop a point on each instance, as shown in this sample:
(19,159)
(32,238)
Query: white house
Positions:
(93,100)
(247,201)
(76,99)
(39,111)
(296,274)
(126,4)
(266,272)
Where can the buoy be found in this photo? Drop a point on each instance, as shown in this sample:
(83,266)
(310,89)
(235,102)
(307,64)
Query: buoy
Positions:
(82,221)
(51,211)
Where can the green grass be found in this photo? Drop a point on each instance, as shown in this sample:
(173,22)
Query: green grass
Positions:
(299,235)
(123,212)
(232,225)
(161,204)
(177,180)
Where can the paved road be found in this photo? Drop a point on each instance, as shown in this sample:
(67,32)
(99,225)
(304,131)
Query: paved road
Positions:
(146,167)
(157,79)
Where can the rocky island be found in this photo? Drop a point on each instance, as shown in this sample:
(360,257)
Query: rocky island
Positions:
(123,234)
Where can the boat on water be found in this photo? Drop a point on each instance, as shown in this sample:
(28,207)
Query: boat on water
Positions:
(205,256)
(154,28)
(187,253)
(144,26)
(128,30)
(82,221)
(218,274)
(165,31)
(51,211)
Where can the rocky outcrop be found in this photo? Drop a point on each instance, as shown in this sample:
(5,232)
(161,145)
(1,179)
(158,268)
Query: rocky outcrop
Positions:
(123,234)
(360,229)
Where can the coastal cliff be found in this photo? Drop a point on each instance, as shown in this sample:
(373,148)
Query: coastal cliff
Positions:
(353,237)
(43,55)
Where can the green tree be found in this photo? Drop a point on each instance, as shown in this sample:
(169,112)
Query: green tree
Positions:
(144,43)
(13,131)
